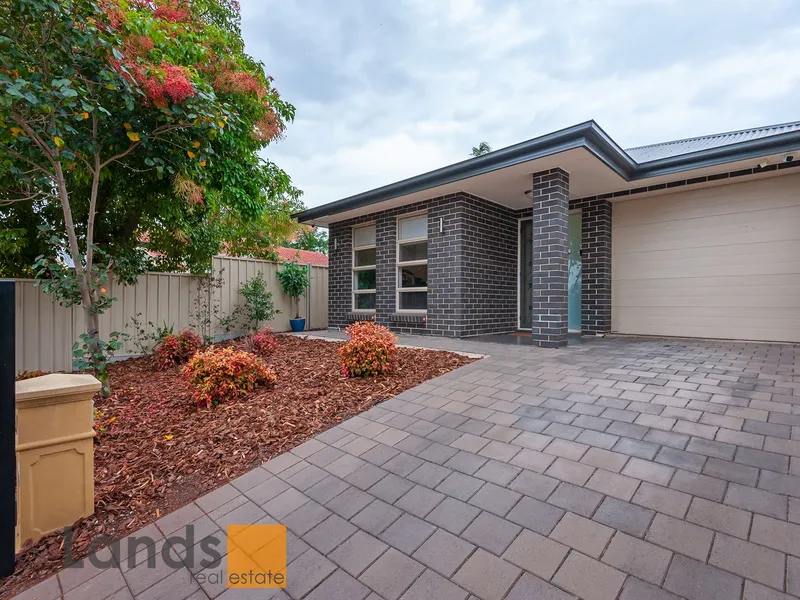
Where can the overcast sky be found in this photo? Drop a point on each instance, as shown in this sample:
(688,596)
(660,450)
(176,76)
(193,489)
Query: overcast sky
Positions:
(388,89)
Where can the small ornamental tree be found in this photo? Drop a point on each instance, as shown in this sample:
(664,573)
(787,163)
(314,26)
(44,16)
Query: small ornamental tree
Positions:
(294,281)
(102,98)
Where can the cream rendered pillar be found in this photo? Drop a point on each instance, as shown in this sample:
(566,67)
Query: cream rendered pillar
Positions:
(55,454)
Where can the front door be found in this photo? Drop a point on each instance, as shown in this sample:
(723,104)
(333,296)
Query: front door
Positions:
(575,267)
(526,273)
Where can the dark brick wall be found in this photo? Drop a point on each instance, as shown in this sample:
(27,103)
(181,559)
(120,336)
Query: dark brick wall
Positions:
(489,267)
(471,268)
(550,257)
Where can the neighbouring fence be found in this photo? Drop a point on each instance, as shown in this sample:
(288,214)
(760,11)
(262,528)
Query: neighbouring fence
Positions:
(45,330)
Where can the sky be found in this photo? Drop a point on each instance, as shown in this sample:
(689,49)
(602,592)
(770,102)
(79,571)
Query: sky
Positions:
(389,89)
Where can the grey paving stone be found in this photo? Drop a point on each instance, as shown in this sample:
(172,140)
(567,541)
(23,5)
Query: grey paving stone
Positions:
(177,586)
(306,517)
(431,585)
(357,553)
(339,586)
(46,590)
(281,505)
(597,439)
(633,520)
(729,471)
(460,486)
(711,448)
(748,560)
(349,502)
(419,501)
(487,576)
(497,472)
(667,438)
(695,484)
(407,533)
(533,460)
(98,587)
(325,456)
(680,536)
(644,450)
(588,578)
(325,490)
(636,589)
(529,587)
(661,499)
(327,535)
(376,517)
(466,462)
(763,460)
(366,476)
(680,459)
(496,499)
(755,500)
(443,552)
(696,581)
(221,495)
(575,499)
(391,488)
(582,534)
(391,574)
(534,484)
(306,572)
(491,533)
(437,453)
(639,558)
(379,454)
(429,474)
(535,515)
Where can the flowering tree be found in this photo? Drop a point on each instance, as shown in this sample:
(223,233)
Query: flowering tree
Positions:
(148,108)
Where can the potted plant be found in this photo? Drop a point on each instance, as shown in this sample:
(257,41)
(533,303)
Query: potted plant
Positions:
(295,281)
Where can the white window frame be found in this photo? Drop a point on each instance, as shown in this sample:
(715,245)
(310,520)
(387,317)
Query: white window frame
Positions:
(354,280)
(408,263)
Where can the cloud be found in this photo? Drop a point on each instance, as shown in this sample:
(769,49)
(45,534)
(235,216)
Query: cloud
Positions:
(389,90)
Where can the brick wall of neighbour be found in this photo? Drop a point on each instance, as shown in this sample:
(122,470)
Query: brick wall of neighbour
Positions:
(471,268)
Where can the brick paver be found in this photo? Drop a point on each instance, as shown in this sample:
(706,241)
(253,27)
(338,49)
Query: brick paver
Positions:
(619,469)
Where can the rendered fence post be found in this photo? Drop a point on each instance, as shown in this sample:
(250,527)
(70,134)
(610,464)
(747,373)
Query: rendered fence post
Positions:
(8,457)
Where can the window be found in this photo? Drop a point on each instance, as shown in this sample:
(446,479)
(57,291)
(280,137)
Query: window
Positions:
(364,268)
(412,263)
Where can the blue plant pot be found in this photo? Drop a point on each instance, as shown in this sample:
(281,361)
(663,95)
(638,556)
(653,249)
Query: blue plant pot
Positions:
(297,324)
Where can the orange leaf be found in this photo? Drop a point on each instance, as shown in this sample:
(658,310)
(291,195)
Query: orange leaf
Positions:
(191,154)
(133,136)
(127,126)
(58,141)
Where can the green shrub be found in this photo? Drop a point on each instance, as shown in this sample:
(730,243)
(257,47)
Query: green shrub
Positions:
(294,281)
(258,304)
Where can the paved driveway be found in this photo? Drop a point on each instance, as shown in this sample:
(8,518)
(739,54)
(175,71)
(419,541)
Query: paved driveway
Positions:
(620,469)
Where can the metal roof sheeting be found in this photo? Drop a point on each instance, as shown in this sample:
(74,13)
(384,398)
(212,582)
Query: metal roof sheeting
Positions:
(643,154)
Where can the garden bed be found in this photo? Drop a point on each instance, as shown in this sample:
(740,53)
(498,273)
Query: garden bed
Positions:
(156,451)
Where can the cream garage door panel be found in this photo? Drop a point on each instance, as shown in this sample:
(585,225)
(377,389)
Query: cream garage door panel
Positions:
(720,262)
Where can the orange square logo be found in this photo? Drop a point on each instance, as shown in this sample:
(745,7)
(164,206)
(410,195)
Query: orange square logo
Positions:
(256,556)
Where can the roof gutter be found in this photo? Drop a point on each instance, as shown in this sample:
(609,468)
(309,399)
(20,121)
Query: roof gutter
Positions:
(588,135)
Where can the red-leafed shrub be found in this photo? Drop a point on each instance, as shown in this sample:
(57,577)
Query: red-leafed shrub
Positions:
(177,349)
(262,343)
(371,351)
(23,375)
(220,374)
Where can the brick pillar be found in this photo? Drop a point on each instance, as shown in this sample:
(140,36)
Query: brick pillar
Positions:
(596,278)
(550,257)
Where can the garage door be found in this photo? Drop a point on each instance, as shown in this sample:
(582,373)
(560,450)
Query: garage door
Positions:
(720,262)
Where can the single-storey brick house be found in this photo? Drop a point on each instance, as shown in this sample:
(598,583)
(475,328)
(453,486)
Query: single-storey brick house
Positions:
(569,232)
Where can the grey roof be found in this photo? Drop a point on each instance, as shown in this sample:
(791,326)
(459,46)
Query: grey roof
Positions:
(632,165)
(642,154)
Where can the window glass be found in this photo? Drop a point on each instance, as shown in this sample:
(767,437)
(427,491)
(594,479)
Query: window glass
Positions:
(365,258)
(365,280)
(415,251)
(414,227)
(413,300)
(365,301)
(414,276)
(364,236)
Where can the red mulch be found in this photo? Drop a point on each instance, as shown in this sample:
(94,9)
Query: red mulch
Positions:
(157,451)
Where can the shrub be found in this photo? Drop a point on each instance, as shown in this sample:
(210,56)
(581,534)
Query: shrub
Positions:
(371,350)
(220,374)
(23,375)
(258,304)
(177,349)
(262,343)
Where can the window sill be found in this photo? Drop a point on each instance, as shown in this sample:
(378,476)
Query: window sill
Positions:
(406,317)
(360,315)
